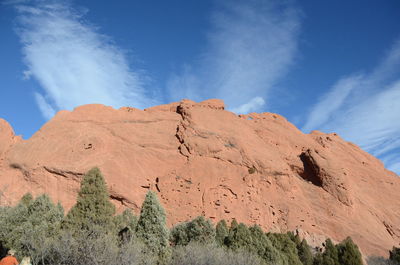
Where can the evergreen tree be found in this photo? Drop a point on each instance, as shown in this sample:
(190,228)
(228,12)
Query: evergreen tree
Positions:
(331,254)
(262,246)
(152,229)
(349,253)
(125,224)
(318,259)
(31,226)
(93,209)
(305,254)
(197,230)
(395,255)
(286,246)
(179,236)
(239,237)
(221,232)
(200,230)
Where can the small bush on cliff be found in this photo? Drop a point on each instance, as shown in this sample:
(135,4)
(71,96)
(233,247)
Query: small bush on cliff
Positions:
(152,229)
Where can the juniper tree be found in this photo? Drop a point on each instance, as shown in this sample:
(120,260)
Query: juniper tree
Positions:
(239,237)
(330,255)
(264,248)
(286,246)
(152,229)
(93,209)
(30,226)
(125,224)
(305,254)
(395,255)
(197,230)
(349,253)
(221,232)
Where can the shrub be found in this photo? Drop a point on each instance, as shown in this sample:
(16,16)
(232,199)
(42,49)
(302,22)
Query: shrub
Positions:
(202,254)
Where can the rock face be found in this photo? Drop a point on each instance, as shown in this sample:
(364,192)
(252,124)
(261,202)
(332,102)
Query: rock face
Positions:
(203,160)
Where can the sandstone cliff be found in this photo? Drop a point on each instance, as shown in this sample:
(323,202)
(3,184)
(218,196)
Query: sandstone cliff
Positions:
(204,160)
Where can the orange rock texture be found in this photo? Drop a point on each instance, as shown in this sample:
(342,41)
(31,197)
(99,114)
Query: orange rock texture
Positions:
(204,160)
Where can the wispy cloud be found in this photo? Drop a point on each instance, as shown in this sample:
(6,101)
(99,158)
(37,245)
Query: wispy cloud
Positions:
(365,109)
(73,63)
(250,47)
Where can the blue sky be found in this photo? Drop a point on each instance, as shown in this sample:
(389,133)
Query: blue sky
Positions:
(327,65)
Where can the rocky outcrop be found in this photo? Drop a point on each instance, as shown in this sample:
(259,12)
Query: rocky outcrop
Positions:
(204,160)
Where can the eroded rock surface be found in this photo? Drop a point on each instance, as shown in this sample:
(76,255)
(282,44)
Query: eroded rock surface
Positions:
(204,160)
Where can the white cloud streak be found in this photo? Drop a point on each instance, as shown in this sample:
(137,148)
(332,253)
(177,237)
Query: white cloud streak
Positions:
(365,109)
(251,46)
(72,62)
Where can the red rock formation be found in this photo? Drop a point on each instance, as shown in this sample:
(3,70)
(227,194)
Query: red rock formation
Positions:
(203,160)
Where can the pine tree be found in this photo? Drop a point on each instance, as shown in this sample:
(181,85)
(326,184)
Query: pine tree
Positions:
(221,232)
(93,209)
(152,229)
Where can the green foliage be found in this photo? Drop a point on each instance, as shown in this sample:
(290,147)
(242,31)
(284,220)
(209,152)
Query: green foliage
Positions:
(126,223)
(331,254)
(93,207)
(90,234)
(203,254)
(395,255)
(286,246)
(26,199)
(31,226)
(221,232)
(349,253)
(318,259)
(197,230)
(152,229)
(239,237)
(305,254)
(264,248)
